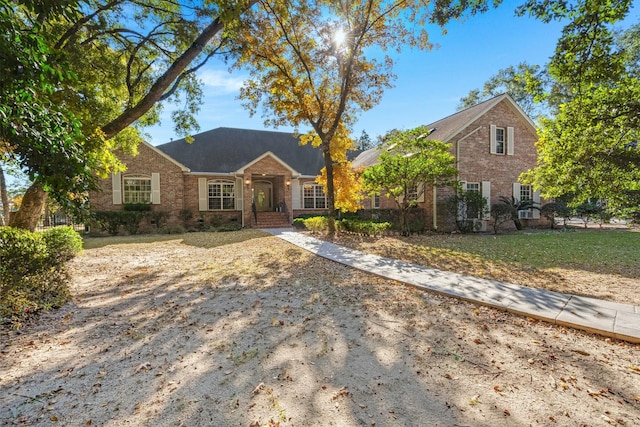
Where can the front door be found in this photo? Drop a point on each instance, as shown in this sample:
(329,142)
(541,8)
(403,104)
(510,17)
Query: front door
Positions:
(262,196)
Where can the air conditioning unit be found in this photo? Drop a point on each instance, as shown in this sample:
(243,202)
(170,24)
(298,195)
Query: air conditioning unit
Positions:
(528,214)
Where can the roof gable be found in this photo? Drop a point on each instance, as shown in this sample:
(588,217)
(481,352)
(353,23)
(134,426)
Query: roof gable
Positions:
(164,155)
(267,154)
(447,128)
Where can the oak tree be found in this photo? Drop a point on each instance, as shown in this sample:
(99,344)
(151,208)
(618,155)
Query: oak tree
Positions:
(318,63)
(124,59)
(590,148)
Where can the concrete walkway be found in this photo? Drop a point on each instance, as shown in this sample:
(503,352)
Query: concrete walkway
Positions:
(616,320)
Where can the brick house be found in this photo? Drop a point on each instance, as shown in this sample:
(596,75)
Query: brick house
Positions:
(493,142)
(219,174)
(223,170)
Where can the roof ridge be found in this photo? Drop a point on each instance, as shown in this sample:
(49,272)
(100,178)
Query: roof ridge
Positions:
(469,108)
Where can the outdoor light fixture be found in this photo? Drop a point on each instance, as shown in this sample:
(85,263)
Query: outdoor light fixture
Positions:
(288,183)
(247,181)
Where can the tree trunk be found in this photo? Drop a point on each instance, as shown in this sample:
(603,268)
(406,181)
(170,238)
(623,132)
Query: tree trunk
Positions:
(331,205)
(31,208)
(5,199)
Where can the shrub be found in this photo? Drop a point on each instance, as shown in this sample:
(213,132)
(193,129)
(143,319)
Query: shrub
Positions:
(185,215)
(229,226)
(131,220)
(63,243)
(109,221)
(159,218)
(216,220)
(501,214)
(316,224)
(369,228)
(137,207)
(298,223)
(33,274)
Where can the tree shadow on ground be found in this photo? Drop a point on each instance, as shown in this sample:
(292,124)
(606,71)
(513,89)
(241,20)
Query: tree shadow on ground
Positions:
(267,334)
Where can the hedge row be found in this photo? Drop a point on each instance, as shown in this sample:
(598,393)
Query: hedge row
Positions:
(318,224)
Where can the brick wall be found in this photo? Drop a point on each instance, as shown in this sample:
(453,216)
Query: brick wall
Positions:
(477,164)
(146,162)
(268,169)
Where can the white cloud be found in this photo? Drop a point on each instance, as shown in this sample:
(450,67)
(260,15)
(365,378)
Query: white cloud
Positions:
(222,81)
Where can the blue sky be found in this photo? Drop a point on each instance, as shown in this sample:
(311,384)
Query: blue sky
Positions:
(429,84)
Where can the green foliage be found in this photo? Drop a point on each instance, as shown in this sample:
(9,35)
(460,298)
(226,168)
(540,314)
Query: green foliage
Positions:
(369,228)
(159,218)
(590,148)
(515,206)
(130,220)
(520,82)
(109,221)
(588,211)
(409,162)
(501,213)
(317,224)
(33,274)
(467,207)
(550,211)
(298,223)
(229,226)
(137,207)
(185,215)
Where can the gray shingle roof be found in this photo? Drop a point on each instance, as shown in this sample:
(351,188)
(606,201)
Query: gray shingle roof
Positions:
(225,150)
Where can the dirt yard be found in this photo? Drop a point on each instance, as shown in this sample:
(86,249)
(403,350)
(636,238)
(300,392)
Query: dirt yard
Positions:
(261,333)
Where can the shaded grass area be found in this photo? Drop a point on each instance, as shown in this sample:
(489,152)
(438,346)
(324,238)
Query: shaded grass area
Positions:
(598,263)
(199,239)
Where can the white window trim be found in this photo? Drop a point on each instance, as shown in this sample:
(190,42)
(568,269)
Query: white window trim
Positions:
(139,176)
(303,198)
(508,144)
(222,197)
(375,197)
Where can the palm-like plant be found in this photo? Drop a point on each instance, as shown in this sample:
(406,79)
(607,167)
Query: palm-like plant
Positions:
(516,206)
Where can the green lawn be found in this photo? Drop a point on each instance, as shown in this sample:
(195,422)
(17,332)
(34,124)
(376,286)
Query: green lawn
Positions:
(592,248)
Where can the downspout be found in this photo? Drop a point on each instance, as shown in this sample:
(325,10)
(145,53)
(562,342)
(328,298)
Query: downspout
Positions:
(457,166)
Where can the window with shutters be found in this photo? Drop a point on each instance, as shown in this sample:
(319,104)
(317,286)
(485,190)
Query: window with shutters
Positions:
(313,197)
(473,186)
(375,201)
(472,207)
(500,140)
(221,195)
(526,193)
(136,189)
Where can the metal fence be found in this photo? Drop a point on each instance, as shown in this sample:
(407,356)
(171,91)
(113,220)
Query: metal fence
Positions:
(53,220)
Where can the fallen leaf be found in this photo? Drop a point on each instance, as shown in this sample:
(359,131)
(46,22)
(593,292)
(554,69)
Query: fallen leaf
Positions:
(142,367)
